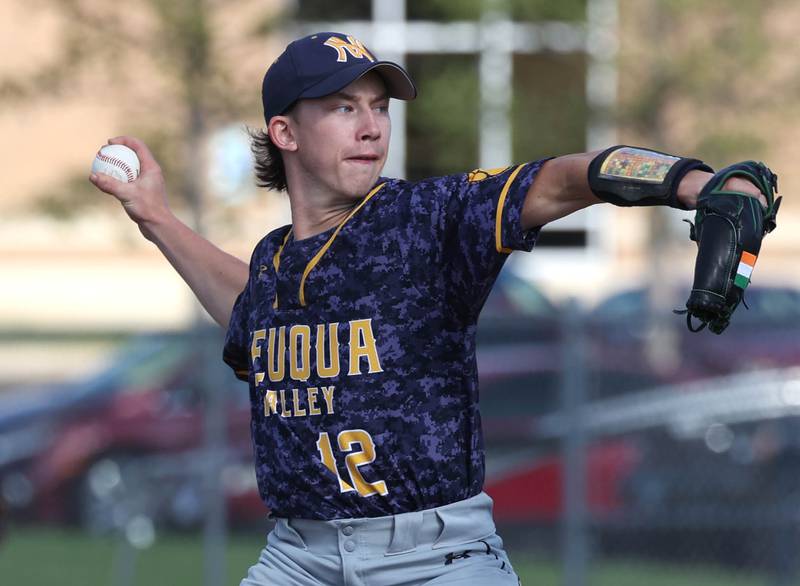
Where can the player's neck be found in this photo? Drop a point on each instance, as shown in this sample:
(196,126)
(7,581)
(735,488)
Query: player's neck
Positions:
(314,213)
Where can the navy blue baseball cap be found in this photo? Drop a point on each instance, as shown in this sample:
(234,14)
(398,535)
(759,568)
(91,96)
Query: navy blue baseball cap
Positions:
(322,64)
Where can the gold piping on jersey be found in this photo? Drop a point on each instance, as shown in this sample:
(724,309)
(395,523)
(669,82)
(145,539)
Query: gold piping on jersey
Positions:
(313,262)
(276,262)
(480,174)
(498,223)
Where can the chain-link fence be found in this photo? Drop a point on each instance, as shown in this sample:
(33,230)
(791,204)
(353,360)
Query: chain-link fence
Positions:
(687,465)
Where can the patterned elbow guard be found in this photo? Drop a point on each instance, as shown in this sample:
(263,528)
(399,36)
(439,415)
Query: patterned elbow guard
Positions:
(631,176)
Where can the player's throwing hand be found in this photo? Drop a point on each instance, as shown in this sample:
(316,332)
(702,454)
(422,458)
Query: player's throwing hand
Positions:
(144,199)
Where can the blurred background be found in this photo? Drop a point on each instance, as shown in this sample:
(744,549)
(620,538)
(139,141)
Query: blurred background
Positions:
(620,448)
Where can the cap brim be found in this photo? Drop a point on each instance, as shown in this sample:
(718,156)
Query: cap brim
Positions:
(398,82)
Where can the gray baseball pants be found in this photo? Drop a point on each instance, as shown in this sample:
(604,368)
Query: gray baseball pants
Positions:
(447,546)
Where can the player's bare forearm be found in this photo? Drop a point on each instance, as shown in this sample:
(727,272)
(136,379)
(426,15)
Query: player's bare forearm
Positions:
(560,188)
(214,276)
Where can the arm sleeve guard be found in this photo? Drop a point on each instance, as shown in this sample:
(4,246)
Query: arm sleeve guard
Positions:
(631,176)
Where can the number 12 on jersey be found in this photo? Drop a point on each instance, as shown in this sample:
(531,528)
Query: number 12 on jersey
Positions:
(346,441)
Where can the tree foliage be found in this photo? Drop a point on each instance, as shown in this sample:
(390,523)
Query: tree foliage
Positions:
(521,10)
(176,85)
(693,75)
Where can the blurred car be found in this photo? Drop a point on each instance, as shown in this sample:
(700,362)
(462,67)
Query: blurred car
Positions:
(30,415)
(728,496)
(523,356)
(763,336)
(532,491)
(141,423)
(703,471)
(518,316)
(524,465)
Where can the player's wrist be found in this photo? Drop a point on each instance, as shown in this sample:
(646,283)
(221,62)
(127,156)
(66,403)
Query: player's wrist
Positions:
(157,222)
(690,187)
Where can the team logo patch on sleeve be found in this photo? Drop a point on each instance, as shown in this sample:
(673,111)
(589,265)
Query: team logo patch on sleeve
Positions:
(639,164)
(481,174)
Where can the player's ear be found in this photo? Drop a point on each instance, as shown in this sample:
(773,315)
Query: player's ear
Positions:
(281,133)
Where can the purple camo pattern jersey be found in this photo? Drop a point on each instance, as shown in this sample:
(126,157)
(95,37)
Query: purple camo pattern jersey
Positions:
(359,347)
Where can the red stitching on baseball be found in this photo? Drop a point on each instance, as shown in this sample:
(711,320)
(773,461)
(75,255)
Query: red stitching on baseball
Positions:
(114,161)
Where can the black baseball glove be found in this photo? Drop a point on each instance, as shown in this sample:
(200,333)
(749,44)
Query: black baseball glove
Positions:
(728,229)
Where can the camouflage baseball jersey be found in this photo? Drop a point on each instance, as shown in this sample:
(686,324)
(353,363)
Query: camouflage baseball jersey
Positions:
(359,347)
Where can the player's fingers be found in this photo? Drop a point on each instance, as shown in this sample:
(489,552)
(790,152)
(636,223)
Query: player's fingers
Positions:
(146,158)
(110,185)
(744,186)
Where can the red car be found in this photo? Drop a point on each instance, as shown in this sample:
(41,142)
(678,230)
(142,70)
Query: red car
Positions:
(137,447)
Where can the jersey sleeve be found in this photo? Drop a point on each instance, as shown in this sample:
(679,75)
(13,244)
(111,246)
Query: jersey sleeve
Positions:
(483,225)
(235,352)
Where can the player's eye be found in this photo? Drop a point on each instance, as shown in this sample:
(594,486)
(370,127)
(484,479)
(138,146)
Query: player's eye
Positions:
(344,108)
(382,108)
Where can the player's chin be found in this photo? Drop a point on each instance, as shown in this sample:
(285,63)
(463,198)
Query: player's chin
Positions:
(356,192)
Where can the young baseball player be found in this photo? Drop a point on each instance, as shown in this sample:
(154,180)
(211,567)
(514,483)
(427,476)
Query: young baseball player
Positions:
(355,325)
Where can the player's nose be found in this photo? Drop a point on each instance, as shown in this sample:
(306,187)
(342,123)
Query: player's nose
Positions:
(370,128)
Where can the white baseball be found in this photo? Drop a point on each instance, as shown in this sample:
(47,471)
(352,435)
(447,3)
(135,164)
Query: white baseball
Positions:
(118,161)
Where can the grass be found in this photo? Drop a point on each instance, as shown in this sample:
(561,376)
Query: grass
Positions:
(635,573)
(39,557)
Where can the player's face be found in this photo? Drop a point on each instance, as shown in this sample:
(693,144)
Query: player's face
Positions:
(342,139)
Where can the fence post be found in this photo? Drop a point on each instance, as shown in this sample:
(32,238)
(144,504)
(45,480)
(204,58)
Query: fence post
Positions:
(574,538)
(216,441)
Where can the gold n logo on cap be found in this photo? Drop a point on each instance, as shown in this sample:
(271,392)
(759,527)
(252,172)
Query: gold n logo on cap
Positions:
(352,45)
